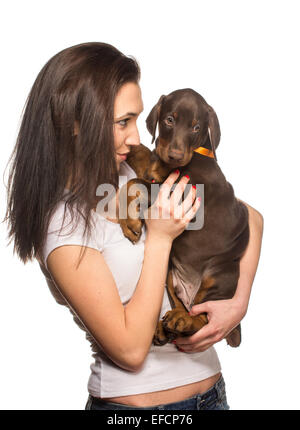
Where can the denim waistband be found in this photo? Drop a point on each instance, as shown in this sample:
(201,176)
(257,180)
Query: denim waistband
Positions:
(213,393)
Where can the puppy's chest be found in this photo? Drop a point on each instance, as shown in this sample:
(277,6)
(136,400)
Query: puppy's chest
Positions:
(221,212)
(217,195)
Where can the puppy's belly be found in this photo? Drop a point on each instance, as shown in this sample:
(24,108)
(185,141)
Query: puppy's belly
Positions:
(186,282)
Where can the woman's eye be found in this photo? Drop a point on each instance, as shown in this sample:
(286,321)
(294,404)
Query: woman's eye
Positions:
(123,122)
(196,127)
(170,120)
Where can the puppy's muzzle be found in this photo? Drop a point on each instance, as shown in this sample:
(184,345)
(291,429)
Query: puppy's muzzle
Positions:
(175,156)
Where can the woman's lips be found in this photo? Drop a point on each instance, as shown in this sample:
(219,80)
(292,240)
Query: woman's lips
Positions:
(123,156)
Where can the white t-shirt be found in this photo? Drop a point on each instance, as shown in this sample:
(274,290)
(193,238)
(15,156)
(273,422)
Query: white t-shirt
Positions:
(165,367)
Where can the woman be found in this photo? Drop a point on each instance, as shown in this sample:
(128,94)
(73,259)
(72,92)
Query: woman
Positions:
(78,125)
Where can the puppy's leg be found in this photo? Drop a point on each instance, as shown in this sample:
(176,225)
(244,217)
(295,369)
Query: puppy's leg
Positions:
(175,301)
(234,338)
(134,197)
(157,170)
(178,322)
(224,287)
(139,158)
(161,336)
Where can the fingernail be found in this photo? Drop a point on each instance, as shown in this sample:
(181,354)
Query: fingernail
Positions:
(187,176)
(176,171)
(153,180)
(174,341)
(194,186)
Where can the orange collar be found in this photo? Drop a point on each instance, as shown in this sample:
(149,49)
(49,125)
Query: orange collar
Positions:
(204,151)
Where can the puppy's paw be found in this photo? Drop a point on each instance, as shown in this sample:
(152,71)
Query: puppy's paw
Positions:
(151,175)
(179,322)
(160,336)
(132,229)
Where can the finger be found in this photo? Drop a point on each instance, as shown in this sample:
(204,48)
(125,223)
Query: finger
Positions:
(200,309)
(195,339)
(207,333)
(189,200)
(196,347)
(189,215)
(179,190)
(208,341)
(166,186)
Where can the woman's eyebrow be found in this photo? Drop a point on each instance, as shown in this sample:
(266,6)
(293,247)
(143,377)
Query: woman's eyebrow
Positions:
(128,114)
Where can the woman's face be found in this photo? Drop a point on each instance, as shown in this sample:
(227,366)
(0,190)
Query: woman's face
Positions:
(128,106)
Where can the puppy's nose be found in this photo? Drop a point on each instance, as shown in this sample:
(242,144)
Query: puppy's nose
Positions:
(175,155)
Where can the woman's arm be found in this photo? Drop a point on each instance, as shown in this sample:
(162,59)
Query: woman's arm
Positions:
(124,332)
(224,315)
(250,259)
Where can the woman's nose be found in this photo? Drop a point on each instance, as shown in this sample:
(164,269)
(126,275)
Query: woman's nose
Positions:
(133,138)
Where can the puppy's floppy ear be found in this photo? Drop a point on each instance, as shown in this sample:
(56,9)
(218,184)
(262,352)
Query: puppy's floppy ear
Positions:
(214,131)
(152,118)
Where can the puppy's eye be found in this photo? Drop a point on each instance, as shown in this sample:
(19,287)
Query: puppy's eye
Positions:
(169,120)
(196,128)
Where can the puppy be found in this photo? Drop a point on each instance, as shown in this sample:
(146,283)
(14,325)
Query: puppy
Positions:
(204,262)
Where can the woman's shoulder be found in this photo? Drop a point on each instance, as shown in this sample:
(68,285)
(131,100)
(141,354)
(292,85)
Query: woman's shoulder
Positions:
(67,226)
(65,217)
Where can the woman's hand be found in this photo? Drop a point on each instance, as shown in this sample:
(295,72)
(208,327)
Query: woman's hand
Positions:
(167,218)
(222,315)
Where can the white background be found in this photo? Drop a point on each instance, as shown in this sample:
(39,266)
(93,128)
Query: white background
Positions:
(243,57)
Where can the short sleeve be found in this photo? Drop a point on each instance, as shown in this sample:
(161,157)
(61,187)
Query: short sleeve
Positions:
(71,232)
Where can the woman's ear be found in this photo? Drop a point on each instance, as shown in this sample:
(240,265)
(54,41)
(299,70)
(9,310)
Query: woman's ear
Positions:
(152,118)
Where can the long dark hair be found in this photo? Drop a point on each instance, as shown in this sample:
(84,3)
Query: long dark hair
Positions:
(77,85)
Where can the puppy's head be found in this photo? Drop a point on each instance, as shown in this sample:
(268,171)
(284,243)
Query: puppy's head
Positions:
(185,122)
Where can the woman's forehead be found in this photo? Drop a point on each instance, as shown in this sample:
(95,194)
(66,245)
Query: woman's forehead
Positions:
(128,100)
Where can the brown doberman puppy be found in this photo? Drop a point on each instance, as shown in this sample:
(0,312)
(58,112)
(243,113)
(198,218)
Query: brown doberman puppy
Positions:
(204,262)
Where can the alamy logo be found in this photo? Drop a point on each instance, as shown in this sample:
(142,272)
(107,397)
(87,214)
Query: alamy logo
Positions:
(135,201)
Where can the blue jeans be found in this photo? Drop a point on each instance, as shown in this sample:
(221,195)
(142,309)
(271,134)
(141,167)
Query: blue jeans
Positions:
(212,399)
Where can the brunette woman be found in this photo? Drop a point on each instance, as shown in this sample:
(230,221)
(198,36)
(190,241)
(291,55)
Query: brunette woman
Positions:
(78,125)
